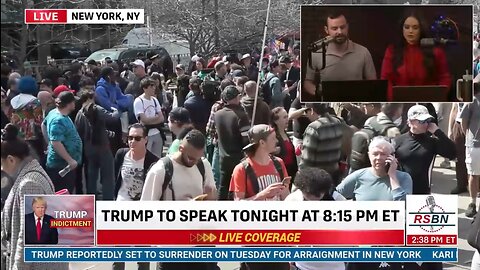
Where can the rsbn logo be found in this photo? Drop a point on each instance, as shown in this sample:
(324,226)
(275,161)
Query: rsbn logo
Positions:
(431,217)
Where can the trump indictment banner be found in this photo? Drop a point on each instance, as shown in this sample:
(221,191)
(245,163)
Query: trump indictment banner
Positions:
(250,223)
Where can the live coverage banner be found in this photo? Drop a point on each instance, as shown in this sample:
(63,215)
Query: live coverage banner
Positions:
(250,223)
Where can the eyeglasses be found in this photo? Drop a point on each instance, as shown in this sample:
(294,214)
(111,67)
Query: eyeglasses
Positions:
(136,138)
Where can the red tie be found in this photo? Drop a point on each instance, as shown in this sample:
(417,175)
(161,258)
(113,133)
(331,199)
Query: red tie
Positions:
(39,229)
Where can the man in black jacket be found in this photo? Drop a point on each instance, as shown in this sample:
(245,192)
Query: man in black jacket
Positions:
(131,167)
(231,124)
(416,150)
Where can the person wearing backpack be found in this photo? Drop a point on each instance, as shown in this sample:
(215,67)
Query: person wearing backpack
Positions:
(382,124)
(131,166)
(261,177)
(90,122)
(272,87)
(183,176)
(148,111)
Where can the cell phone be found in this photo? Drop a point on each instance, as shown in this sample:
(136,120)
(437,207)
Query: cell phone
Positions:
(387,166)
(286,181)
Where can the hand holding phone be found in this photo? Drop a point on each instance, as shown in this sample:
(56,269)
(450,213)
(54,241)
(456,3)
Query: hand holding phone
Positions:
(200,197)
(286,181)
(391,164)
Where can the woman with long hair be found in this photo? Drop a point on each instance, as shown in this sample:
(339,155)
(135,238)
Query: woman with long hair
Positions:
(285,148)
(407,63)
(30,178)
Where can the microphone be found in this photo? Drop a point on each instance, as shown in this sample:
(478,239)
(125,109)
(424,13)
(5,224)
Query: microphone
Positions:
(426,42)
(315,46)
(431,203)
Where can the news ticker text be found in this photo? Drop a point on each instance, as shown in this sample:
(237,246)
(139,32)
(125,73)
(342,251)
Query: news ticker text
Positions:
(241,254)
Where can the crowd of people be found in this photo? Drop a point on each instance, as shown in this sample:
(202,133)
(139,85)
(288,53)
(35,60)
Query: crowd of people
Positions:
(102,127)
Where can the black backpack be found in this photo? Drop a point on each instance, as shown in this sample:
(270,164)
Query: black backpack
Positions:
(211,89)
(252,177)
(361,139)
(167,181)
(266,91)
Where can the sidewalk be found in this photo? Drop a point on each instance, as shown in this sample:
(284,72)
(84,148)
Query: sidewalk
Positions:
(443,182)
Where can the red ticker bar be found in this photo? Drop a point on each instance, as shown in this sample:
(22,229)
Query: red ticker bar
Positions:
(422,240)
(251,237)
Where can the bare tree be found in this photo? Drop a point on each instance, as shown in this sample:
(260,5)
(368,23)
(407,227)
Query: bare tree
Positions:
(212,25)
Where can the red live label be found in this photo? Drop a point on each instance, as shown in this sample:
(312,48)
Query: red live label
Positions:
(47,16)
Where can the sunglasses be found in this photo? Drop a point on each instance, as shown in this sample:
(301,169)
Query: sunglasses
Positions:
(136,138)
(426,121)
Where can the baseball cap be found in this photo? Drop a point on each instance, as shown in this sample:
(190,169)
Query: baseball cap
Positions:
(180,66)
(418,112)
(60,89)
(47,82)
(64,98)
(285,59)
(179,114)
(230,92)
(138,62)
(237,73)
(245,56)
(257,133)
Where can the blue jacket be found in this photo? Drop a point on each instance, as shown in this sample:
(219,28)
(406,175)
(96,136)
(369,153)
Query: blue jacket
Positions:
(109,95)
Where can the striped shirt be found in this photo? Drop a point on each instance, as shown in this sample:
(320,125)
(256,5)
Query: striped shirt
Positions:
(322,144)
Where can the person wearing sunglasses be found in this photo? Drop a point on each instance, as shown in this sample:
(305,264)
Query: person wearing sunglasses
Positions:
(416,150)
(131,167)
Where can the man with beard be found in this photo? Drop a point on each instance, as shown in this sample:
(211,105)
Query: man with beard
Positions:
(190,173)
(346,60)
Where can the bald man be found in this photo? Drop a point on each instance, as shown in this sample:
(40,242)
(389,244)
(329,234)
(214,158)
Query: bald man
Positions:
(262,115)
(47,101)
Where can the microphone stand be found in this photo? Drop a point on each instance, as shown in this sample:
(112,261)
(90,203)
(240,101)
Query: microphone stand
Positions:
(311,49)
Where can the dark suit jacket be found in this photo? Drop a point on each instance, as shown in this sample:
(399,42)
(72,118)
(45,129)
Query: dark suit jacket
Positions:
(293,77)
(49,236)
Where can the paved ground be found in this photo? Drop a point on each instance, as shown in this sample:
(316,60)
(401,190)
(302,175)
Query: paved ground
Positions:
(443,182)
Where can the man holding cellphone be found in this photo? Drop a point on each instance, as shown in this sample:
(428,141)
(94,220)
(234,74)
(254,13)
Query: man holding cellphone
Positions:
(261,176)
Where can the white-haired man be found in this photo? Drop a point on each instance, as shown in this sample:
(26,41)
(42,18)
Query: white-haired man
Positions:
(380,182)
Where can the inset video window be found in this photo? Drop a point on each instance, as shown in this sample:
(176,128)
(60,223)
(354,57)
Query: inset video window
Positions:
(404,53)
